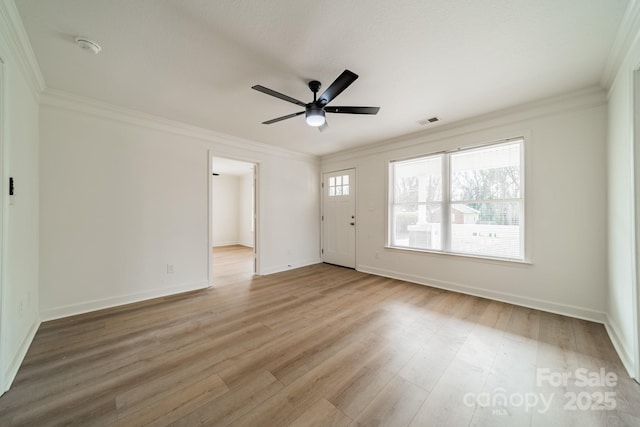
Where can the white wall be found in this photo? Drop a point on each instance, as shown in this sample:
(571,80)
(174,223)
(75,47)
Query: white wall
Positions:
(232,210)
(123,194)
(565,207)
(19,317)
(225,210)
(245,219)
(622,322)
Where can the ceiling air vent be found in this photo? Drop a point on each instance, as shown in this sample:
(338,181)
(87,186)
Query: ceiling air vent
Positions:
(428,121)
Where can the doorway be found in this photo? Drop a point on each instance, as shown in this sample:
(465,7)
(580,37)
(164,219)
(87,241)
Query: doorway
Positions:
(233,242)
(339,218)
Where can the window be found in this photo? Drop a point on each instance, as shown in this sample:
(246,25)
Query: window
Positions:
(464,202)
(339,186)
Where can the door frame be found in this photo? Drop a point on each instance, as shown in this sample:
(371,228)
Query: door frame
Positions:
(3,225)
(355,207)
(635,131)
(256,212)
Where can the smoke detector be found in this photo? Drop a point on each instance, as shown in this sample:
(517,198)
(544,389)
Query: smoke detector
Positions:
(88,45)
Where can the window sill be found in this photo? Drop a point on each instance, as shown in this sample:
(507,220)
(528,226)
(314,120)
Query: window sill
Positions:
(470,257)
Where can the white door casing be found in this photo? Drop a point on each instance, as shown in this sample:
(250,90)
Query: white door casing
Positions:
(255,211)
(3,225)
(339,218)
(635,126)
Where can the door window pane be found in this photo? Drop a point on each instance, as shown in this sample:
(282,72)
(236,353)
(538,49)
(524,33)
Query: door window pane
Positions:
(339,186)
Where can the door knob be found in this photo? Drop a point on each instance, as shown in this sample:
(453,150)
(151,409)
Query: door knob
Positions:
(352,223)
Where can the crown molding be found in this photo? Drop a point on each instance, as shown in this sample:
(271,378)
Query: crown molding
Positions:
(67,101)
(11,26)
(585,98)
(627,34)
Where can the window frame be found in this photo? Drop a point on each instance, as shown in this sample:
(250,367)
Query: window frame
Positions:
(338,186)
(447,202)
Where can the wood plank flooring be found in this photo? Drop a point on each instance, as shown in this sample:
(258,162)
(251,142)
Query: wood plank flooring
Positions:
(317,346)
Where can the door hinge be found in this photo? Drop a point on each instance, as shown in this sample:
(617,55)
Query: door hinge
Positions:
(322,251)
(322,218)
(322,185)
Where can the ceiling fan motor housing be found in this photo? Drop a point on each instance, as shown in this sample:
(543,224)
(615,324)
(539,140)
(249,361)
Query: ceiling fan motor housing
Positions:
(314,114)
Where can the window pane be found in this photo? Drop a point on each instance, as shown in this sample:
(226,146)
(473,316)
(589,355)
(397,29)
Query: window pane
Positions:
(482,212)
(332,191)
(418,180)
(491,229)
(345,179)
(491,173)
(345,190)
(338,180)
(417,226)
(339,191)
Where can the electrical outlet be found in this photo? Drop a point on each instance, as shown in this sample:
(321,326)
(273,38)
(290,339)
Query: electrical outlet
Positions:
(170,269)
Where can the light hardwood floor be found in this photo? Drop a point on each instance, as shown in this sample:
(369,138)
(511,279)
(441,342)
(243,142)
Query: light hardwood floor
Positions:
(315,346)
(232,263)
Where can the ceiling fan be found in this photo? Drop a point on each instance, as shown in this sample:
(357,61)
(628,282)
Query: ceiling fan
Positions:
(315,111)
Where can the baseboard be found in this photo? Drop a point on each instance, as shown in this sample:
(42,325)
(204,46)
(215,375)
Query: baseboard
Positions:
(226,243)
(538,304)
(280,268)
(12,371)
(621,348)
(88,306)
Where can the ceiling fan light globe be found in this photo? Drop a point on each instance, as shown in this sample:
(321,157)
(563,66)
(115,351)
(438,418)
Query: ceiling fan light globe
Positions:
(315,117)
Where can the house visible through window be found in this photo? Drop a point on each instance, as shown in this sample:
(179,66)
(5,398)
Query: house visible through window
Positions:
(466,202)
(339,186)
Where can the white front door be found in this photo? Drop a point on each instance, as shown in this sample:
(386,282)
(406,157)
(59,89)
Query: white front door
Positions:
(339,218)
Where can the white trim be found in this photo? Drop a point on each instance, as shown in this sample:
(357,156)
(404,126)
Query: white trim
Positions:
(446,203)
(87,106)
(210,243)
(574,101)
(229,243)
(99,304)
(535,303)
(635,224)
(19,42)
(256,214)
(16,362)
(3,203)
(618,344)
(626,35)
(286,267)
(257,238)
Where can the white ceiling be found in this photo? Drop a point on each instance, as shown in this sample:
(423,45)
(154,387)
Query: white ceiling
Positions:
(195,61)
